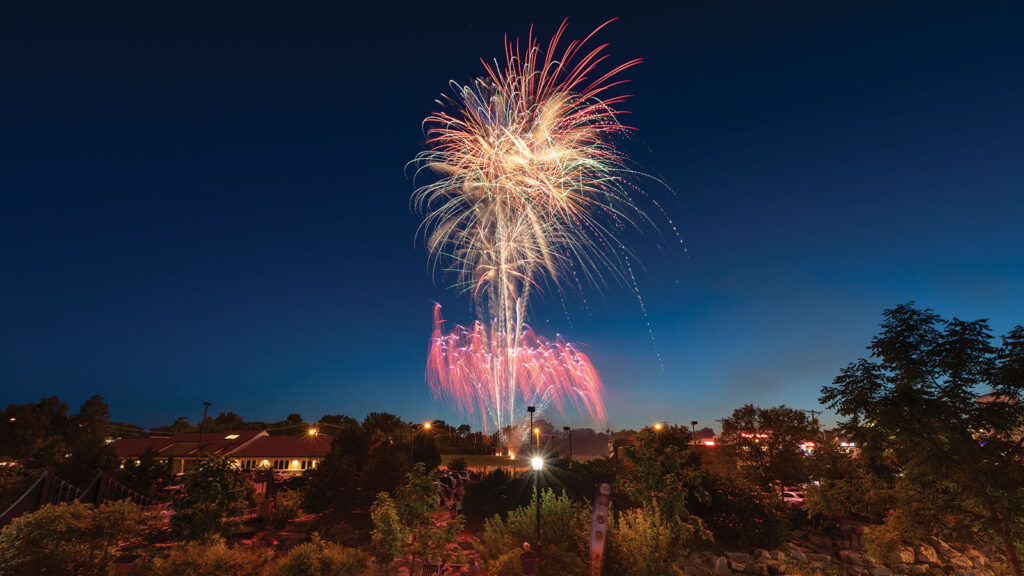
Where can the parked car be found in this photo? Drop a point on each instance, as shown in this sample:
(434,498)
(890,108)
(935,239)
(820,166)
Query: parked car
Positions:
(793,498)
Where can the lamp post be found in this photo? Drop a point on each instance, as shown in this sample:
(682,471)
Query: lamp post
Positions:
(412,441)
(569,430)
(531,410)
(537,463)
(693,431)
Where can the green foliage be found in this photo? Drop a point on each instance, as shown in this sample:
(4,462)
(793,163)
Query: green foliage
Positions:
(320,558)
(27,432)
(287,506)
(142,474)
(389,534)
(861,495)
(643,542)
(14,481)
(496,493)
(210,558)
(457,465)
(403,524)
(213,493)
(739,515)
(662,472)
(565,531)
(71,539)
(365,460)
(962,466)
(765,444)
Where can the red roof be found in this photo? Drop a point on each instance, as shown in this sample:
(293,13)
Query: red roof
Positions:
(286,447)
(187,443)
(237,444)
(128,447)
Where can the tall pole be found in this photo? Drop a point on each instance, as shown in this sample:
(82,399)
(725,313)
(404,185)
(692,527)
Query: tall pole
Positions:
(202,425)
(814,415)
(531,410)
(536,495)
(569,430)
(536,475)
(693,431)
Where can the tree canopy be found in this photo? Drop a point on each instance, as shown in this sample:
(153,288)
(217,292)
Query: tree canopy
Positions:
(918,398)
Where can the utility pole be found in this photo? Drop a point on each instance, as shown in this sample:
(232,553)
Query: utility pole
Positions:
(814,415)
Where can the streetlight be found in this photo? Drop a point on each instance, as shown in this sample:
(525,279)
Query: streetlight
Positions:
(312,432)
(537,463)
(531,410)
(658,426)
(412,440)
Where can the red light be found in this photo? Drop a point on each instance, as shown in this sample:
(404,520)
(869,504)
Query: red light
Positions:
(709,442)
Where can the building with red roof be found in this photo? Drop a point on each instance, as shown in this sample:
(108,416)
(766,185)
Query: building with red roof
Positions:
(249,449)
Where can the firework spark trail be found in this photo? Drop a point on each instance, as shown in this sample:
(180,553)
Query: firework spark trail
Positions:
(466,366)
(531,194)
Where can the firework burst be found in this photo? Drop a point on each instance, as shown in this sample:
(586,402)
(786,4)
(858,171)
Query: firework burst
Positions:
(531,194)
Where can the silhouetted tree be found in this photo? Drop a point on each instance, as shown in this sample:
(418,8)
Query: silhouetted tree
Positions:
(916,398)
(766,443)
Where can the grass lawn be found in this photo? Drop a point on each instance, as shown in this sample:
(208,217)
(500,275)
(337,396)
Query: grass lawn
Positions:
(482,460)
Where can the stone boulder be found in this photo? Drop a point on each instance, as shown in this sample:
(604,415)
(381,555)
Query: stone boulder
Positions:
(856,559)
(720,567)
(959,562)
(739,557)
(795,553)
(927,555)
(906,555)
(820,558)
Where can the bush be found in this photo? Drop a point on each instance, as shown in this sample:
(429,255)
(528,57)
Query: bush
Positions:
(213,494)
(496,493)
(643,542)
(287,506)
(73,539)
(212,558)
(739,515)
(457,465)
(320,558)
(565,527)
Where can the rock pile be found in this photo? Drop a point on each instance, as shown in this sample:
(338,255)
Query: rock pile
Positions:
(820,554)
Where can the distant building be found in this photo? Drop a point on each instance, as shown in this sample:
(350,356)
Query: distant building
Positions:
(249,449)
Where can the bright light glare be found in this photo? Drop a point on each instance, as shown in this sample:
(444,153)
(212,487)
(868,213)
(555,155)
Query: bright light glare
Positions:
(537,462)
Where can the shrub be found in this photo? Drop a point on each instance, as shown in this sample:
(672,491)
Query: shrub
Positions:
(320,558)
(213,492)
(73,539)
(644,543)
(211,558)
(497,493)
(564,536)
(457,465)
(287,506)
(738,515)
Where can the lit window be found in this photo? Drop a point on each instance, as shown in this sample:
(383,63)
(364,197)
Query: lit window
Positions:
(231,436)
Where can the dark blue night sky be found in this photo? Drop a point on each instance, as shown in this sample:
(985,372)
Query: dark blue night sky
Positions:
(211,203)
